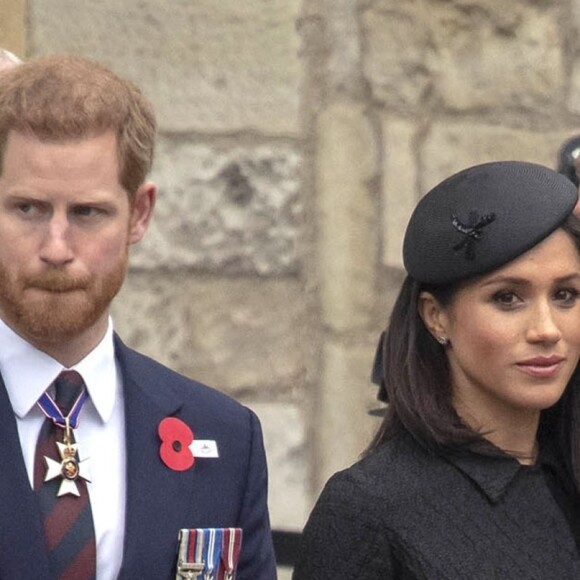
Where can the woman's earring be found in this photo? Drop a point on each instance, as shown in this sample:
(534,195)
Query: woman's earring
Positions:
(442,340)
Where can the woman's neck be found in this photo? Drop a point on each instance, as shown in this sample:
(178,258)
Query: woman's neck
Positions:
(522,446)
(513,432)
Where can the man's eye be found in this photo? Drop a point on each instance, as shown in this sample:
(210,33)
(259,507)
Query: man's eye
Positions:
(29,210)
(85,211)
(24,207)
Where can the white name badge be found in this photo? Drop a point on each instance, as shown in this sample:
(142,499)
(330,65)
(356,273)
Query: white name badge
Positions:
(204,448)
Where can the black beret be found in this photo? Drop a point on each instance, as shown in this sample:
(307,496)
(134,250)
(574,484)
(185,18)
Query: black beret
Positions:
(482,218)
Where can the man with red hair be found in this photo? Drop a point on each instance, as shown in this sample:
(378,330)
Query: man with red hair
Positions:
(162,477)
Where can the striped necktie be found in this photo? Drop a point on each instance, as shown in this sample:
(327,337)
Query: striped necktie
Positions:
(68,520)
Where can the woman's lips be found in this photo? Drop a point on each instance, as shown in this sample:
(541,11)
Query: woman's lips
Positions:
(541,367)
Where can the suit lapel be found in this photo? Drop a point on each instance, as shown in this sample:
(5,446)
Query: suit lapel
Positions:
(156,496)
(22,550)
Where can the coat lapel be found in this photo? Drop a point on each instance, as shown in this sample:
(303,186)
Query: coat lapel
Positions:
(157,497)
(21,536)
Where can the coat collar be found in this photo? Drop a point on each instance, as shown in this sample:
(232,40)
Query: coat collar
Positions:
(493,470)
(491,473)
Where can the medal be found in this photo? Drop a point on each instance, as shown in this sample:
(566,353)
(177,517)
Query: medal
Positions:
(231,546)
(190,571)
(69,468)
(212,553)
(208,553)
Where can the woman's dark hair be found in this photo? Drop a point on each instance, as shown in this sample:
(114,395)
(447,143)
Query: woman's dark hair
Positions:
(416,375)
(417,381)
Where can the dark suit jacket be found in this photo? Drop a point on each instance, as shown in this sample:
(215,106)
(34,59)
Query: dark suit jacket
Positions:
(225,492)
(405,513)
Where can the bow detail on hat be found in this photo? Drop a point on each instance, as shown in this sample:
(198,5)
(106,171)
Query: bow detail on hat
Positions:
(473,231)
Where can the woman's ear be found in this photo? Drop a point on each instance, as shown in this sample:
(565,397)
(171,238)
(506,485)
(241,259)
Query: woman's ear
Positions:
(434,317)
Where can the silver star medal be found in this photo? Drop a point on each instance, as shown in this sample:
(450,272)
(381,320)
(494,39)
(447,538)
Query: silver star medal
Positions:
(69,468)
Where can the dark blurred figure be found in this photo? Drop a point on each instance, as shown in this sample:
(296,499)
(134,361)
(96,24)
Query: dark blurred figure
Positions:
(569,159)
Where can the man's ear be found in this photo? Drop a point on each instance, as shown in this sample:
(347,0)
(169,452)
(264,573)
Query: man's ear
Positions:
(434,316)
(142,211)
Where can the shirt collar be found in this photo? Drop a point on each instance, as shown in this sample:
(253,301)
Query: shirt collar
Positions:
(27,372)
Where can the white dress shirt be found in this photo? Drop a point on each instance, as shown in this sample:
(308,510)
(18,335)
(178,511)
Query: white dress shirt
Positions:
(100,435)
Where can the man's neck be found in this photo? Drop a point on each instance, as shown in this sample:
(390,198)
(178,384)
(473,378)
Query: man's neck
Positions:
(68,351)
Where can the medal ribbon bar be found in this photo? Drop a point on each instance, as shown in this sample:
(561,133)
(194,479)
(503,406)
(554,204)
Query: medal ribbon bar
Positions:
(208,553)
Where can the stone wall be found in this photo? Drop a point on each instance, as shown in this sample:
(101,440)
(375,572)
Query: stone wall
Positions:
(295,138)
(13,30)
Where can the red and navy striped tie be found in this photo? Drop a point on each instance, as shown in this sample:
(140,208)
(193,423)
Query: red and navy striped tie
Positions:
(68,520)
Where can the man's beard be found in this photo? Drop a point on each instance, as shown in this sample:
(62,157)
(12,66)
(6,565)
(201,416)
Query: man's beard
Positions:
(53,306)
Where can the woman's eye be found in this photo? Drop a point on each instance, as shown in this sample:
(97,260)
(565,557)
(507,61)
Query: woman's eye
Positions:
(505,298)
(567,296)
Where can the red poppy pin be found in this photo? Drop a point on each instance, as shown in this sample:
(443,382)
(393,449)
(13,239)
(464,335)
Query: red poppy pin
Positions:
(176,438)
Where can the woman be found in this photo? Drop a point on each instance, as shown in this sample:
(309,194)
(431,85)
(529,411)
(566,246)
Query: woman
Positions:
(475,471)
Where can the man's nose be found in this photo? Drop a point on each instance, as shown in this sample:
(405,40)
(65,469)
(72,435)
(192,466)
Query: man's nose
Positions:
(56,247)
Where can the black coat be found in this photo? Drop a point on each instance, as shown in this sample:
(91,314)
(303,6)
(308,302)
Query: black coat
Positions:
(404,512)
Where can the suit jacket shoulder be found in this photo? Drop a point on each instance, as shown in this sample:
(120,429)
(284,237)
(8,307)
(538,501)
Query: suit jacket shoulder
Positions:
(227,491)
(148,372)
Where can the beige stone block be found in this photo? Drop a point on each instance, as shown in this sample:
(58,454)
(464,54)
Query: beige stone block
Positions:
(224,209)
(451,146)
(284,429)
(347,240)
(507,55)
(207,65)
(573,100)
(13,26)
(511,56)
(575,11)
(343,425)
(241,336)
(396,59)
(343,63)
(399,186)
